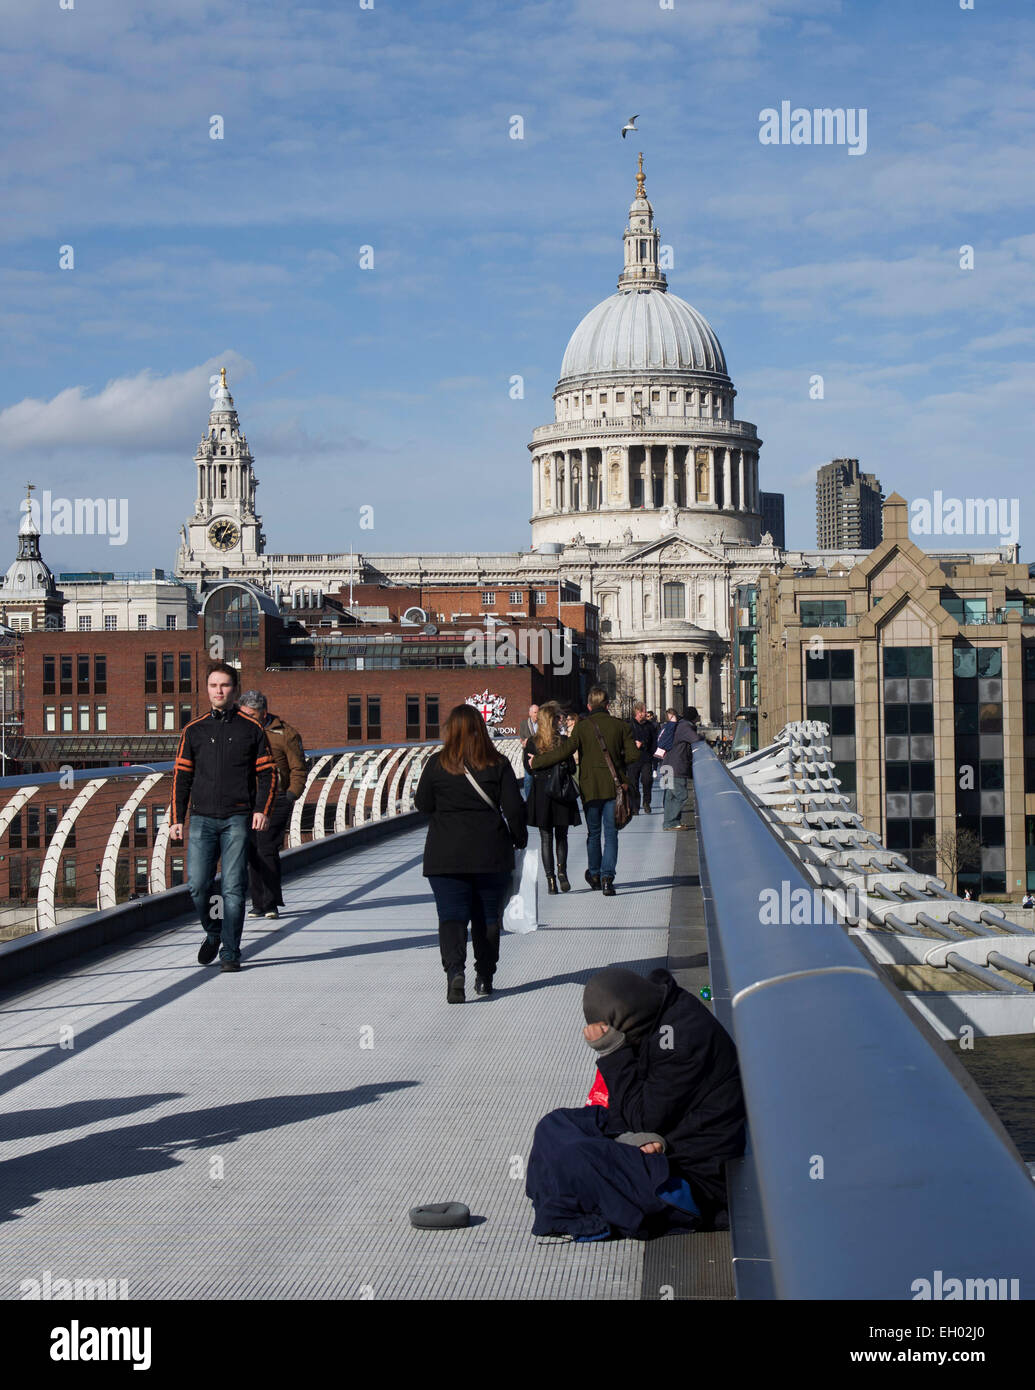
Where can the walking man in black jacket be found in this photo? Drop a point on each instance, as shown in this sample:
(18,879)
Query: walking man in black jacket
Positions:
(225,772)
(641,772)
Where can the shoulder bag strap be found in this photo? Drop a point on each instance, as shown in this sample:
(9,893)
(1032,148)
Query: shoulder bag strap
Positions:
(481,791)
(607,755)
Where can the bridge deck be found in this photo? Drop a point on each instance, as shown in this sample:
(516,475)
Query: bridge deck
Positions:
(232,1136)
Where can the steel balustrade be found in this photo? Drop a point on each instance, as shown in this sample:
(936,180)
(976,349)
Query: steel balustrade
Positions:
(368,782)
(874,1160)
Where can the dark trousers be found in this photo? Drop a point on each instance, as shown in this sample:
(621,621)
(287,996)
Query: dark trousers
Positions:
(546,843)
(264,858)
(641,782)
(222,838)
(480,900)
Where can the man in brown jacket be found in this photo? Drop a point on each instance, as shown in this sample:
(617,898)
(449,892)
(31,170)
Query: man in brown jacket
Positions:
(596,784)
(264,845)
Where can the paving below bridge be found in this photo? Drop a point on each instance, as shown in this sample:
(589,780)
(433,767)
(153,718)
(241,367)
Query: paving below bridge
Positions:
(263,1135)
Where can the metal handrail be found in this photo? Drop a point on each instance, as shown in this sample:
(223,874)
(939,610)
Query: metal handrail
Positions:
(875,1159)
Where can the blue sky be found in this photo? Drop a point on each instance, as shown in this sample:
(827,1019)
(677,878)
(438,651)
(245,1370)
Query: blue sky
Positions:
(388,127)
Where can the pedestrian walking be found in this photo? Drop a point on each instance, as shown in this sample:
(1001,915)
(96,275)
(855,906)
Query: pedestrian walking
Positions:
(527,730)
(553,806)
(224,772)
(641,773)
(264,845)
(477,819)
(605,748)
(678,768)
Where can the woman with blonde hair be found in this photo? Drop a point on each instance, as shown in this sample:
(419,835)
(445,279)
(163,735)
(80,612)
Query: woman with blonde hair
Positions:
(477,818)
(553,803)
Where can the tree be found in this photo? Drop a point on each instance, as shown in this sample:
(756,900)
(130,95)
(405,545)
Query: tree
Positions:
(956,851)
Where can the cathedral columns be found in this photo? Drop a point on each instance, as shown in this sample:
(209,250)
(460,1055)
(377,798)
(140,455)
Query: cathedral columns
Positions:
(756,500)
(727,481)
(670,688)
(648,477)
(566,456)
(536,486)
(745,501)
(713,477)
(670,476)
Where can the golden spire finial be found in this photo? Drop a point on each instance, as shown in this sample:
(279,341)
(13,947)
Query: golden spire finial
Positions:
(222,375)
(641,192)
(30,488)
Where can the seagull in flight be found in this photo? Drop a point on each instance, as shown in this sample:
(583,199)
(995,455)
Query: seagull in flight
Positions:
(630,125)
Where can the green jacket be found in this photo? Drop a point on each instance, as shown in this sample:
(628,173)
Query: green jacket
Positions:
(595,781)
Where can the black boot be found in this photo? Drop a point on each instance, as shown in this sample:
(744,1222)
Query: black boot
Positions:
(592,879)
(607,887)
(562,865)
(551,884)
(452,942)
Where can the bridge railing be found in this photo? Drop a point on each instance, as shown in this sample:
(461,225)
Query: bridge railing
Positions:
(876,1168)
(76,842)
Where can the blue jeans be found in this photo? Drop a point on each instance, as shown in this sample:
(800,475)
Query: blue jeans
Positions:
(600,815)
(675,800)
(224,838)
(526,785)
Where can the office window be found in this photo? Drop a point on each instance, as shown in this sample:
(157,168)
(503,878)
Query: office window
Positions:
(516,596)
(84,719)
(50,822)
(167,672)
(413,716)
(50,719)
(142,621)
(151,718)
(32,827)
(66,719)
(66,675)
(34,876)
(150,672)
(14,877)
(373,718)
(170,622)
(100,718)
(100,675)
(168,717)
(140,874)
(68,877)
(159,815)
(822,612)
(85,622)
(185,715)
(176,870)
(354,717)
(185,672)
(140,827)
(540,595)
(111,622)
(48,674)
(82,675)
(489,599)
(431,716)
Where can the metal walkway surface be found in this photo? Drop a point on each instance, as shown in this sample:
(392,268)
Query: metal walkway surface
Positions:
(263,1135)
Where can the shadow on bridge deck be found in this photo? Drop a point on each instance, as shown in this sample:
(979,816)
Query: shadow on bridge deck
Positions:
(263,1135)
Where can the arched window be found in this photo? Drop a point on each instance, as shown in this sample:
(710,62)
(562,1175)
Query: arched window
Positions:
(607,676)
(674,600)
(222,479)
(701,605)
(222,448)
(222,433)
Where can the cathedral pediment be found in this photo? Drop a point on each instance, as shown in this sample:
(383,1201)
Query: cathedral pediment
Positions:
(676,550)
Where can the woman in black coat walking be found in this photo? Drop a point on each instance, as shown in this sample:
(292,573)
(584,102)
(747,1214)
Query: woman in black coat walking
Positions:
(468,788)
(550,813)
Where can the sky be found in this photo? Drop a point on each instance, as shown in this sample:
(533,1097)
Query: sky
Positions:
(387,124)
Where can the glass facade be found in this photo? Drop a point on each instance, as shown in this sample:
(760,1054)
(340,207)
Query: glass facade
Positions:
(977,680)
(909,777)
(830,698)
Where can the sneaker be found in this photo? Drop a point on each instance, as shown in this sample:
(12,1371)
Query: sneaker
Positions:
(256,912)
(273,915)
(482,984)
(455,990)
(607,887)
(592,879)
(209,950)
(229,965)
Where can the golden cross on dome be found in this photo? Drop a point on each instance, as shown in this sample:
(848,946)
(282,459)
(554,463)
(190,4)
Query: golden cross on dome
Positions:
(641,192)
(222,373)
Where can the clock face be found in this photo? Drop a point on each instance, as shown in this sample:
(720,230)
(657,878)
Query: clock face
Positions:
(224,535)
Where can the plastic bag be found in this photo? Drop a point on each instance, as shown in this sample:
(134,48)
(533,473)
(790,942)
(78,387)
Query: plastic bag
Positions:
(521,914)
(598,1092)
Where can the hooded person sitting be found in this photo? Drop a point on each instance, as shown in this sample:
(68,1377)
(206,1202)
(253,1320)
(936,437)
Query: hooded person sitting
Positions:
(655,1155)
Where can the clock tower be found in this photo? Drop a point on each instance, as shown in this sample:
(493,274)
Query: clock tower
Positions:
(225,533)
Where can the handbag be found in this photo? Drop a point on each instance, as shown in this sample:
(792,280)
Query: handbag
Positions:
(488,801)
(560,785)
(623,808)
